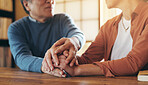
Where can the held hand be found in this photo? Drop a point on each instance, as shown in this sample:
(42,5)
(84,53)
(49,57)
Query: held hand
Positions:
(74,60)
(70,44)
(47,65)
(61,45)
(47,61)
(64,66)
(56,72)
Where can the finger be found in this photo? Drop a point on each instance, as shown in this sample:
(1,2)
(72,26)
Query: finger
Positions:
(56,65)
(62,57)
(64,76)
(55,58)
(71,55)
(77,63)
(73,62)
(62,48)
(45,67)
(49,61)
(58,73)
(62,64)
(60,42)
(51,72)
(66,53)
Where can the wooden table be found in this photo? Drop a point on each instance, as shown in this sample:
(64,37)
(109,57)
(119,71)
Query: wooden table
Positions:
(11,76)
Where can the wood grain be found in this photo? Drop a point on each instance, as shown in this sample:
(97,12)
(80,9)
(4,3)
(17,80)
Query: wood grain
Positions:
(11,76)
(19,11)
(6,5)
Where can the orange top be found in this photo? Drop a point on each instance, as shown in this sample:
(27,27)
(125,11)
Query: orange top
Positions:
(136,59)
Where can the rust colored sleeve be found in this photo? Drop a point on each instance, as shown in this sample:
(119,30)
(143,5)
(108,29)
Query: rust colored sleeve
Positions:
(95,52)
(132,63)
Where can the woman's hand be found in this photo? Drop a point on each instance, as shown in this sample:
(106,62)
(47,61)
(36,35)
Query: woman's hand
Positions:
(64,66)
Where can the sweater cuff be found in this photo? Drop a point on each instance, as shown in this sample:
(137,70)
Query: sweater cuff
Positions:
(37,66)
(81,40)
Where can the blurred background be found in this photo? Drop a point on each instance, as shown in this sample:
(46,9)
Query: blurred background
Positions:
(89,16)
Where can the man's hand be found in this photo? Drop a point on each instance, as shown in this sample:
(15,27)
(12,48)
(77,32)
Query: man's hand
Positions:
(70,44)
(47,61)
(64,46)
(56,72)
(64,66)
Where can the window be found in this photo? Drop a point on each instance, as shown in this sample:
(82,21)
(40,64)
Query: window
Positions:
(88,15)
(85,14)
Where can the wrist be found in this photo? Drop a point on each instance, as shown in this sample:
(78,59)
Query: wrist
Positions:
(41,70)
(77,71)
(76,42)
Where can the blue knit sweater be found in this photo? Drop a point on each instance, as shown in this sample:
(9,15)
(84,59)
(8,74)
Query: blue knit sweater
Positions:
(30,40)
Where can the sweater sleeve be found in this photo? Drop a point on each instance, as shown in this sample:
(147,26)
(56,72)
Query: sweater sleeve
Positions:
(21,52)
(69,29)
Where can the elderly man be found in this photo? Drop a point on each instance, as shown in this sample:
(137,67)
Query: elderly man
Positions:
(37,40)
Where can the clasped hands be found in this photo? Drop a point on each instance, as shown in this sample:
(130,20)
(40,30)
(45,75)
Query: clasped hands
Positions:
(61,56)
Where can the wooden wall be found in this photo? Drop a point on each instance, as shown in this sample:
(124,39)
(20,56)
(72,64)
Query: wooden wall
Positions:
(19,11)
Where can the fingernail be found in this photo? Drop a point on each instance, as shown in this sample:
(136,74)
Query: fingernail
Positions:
(56,64)
(51,68)
(66,54)
(48,70)
(71,65)
(66,62)
(61,73)
(63,76)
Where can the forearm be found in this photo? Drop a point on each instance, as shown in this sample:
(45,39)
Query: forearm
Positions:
(20,50)
(87,69)
(29,63)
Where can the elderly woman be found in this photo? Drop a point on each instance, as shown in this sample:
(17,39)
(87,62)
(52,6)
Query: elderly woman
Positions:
(121,41)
